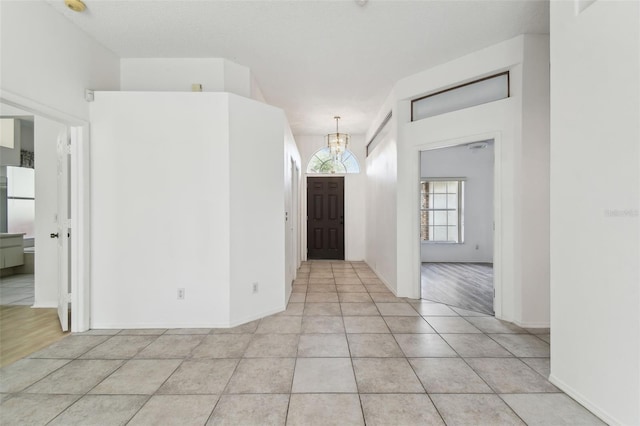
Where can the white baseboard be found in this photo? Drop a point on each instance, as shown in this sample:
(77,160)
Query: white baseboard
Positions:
(45,305)
(604,416)
(384,281)
(230,324)
(532,324)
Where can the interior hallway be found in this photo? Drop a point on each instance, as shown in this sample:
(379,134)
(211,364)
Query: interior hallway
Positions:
(346,351)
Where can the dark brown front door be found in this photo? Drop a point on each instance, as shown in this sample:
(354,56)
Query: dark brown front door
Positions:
(325,218)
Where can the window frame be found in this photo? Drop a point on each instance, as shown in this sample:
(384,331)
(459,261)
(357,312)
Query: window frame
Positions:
(460,182)
(348,153)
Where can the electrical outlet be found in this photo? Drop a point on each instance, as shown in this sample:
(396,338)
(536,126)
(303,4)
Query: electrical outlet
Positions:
(181,294)
(255,287)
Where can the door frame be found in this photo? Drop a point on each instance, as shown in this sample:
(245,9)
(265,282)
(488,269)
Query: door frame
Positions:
(495,205)
(79,193)
(304,214)
(497,211)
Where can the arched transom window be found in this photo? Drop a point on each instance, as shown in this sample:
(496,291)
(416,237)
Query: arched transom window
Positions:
(321,163)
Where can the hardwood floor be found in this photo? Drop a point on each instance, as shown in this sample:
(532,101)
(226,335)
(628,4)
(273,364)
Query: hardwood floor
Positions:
(24,330)
(464,285)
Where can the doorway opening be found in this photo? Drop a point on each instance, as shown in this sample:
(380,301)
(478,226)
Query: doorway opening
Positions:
(457,226)
(34,231)
(325,218)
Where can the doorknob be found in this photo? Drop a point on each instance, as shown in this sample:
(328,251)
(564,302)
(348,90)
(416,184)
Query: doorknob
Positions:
(54,235)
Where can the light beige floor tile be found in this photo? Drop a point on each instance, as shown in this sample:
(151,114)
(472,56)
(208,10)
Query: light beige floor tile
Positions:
(70,347)
(322,324)
(468,313)
(272,345)
(351,280)
(373,346)
(397,309)
(299,288)
(192,331)
(324,375)
(76,377)
(385,297)
(120,347)
(25,372)
(550,409)
(247,328)
(322,298)
(434,309)
(321,281)
(222,346)
(311,410)
(523,345)
(408,325)
(205,376)
(250,410)
(539,330)
(545,337)
(293,309)
(175,410)
(33,409)
(399,409)
(365,324)
(540,365)
(448,375)
(138,377)
(101,410)
(424,345)
(351,288)
(493,325)
(262,375)
(451,325)
(321,288)
(323,345)
(377,288)
(297,298)
(385,375)
(510,375)
(280,325)
(143,332)
(475,410)
(475,345)
(355,309)
(354,297)
(316,309)
(172,346)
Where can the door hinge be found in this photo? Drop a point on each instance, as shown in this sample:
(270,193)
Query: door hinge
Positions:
(67,149)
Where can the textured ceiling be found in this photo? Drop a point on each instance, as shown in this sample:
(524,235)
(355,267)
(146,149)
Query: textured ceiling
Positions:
(314,59)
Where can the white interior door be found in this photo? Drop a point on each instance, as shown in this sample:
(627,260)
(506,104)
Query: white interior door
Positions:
(62,231)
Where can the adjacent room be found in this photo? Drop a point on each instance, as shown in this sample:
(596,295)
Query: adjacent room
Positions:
(456,226)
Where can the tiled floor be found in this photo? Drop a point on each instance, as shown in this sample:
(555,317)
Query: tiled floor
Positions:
(17,290)
(345,352)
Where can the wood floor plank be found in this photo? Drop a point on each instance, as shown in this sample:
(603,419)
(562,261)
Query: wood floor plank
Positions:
(464,285)
(25,330)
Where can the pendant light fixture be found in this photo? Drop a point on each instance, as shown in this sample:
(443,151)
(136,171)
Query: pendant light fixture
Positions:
(337,142)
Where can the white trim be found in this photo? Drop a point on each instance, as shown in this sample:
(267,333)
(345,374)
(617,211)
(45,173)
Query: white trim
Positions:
(584,401)
(79,193)
(497,200)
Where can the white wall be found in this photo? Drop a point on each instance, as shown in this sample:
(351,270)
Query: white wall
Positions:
(51,61)
(476,166)
(160,209)
(524,297)
(196,203)
(178,74)
(381,217)
(257,206)
(354,193)
(293,208)
(46,134)
(595,197)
